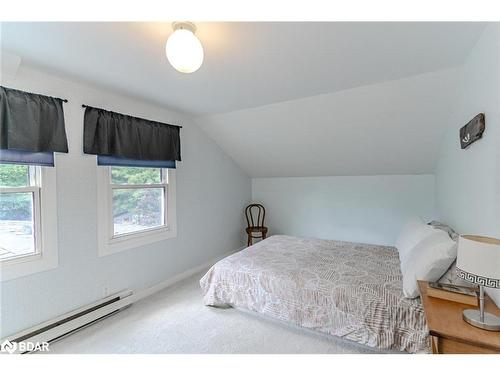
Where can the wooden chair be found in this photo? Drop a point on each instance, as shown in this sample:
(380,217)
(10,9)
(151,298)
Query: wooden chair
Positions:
(255,226)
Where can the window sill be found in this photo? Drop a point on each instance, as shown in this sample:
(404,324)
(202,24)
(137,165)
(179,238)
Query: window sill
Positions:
(134,240)
(23,266)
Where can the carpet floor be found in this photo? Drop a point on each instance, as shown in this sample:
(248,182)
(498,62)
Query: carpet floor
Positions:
(175,320)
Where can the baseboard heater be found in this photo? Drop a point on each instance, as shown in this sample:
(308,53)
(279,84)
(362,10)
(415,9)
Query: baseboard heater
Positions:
(73,321)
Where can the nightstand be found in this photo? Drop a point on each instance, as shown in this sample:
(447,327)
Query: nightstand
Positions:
(450,334)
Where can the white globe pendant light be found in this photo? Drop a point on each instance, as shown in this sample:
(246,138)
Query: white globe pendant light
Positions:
(184,50)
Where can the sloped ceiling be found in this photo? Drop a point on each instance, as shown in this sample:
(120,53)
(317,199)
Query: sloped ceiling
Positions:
(246,64)
(394,127)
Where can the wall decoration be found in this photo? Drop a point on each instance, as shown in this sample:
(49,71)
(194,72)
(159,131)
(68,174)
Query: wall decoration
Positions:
(472,131)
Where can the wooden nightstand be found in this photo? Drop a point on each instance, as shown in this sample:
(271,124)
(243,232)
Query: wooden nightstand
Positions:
(450,334)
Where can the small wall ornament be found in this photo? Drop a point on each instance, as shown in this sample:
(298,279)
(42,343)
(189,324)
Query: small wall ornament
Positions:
(472,131)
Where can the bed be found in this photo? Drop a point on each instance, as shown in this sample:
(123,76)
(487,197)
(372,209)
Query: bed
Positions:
(344,289)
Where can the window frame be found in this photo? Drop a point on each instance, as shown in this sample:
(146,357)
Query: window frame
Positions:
(45,257)
(33,187)
(108,242)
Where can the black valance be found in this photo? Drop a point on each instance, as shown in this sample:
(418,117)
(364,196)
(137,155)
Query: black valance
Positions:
(114,134)
(31,122)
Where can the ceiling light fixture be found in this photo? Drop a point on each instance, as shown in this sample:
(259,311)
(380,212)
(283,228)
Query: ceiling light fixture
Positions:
(184,50)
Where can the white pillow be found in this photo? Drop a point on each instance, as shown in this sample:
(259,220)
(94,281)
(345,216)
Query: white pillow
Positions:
(414,231)
(428,261)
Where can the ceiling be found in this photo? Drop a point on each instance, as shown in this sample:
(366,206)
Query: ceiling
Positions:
(246,64)
(394,127)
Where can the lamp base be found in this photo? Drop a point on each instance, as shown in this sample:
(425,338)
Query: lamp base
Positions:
(491,322)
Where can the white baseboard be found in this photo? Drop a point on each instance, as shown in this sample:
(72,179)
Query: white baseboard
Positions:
(143,293)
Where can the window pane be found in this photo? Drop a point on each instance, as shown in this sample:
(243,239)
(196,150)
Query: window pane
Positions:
(14,175)
(137,209)
(133,175)
(16,225)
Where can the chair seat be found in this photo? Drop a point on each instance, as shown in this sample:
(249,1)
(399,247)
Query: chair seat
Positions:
(256,229)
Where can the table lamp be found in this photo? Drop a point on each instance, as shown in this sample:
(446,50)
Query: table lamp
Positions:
(478,262)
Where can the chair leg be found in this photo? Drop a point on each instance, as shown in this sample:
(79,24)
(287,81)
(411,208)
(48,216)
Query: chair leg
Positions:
(264,235)
(249,241)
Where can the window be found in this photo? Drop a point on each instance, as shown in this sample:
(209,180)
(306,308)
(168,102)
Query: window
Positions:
(19,211)
(31,133)
(138,196)
(28,226)
(137,207)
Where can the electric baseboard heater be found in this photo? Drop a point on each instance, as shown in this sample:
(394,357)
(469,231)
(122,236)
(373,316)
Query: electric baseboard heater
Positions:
(73,321)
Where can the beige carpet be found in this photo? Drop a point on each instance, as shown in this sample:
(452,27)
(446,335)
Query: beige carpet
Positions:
(175,320)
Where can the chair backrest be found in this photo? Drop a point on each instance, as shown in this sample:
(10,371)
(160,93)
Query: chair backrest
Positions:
(260,213)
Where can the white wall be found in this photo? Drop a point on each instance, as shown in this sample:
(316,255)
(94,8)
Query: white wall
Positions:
(211,194)
(468,181)
(369,209)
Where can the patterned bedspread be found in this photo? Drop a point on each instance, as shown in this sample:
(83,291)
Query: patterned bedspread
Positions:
(345,289)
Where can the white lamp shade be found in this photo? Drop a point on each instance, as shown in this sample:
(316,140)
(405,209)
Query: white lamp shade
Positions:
(478,260)
(184,51)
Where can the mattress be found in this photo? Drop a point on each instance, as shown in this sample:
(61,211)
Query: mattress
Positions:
(348,290)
